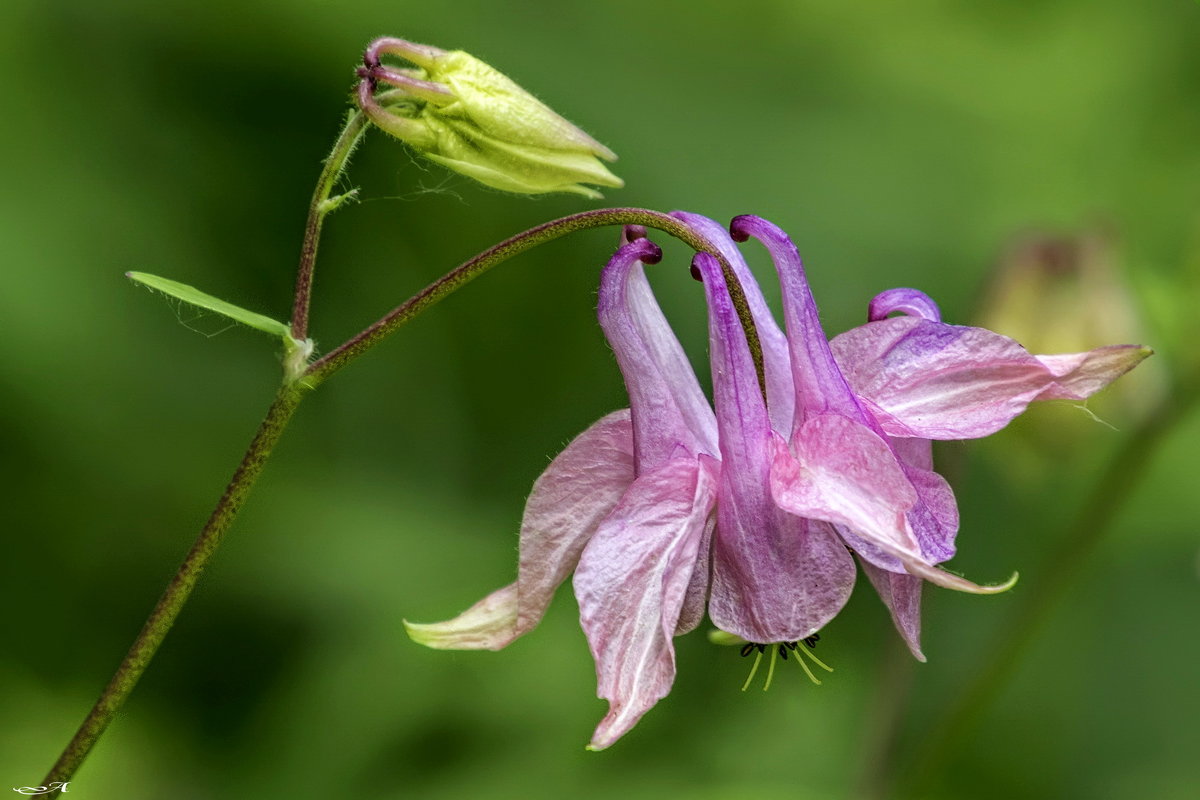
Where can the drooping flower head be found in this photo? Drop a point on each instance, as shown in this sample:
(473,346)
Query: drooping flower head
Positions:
(753,510)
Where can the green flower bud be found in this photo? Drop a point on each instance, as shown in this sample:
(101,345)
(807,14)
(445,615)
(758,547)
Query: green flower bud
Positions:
(466,116)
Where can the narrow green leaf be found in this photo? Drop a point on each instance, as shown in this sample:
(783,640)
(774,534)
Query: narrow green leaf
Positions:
(189,294)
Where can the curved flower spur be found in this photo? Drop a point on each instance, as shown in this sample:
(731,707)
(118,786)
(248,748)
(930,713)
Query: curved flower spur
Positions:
(461,113)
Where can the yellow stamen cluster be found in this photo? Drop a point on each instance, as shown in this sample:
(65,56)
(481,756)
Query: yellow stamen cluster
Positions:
(781,650)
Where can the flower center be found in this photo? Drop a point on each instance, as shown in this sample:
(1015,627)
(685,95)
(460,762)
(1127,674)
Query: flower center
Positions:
(781,650)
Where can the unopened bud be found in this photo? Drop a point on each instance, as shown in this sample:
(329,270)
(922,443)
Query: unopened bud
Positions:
(458,111)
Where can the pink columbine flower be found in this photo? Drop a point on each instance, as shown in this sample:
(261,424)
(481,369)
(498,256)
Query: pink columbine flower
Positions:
(857,453)
(628,505)
(666,508)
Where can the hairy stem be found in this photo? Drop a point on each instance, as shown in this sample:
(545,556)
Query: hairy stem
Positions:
(179,589)
(1117,483)
(318,209)
(468,271)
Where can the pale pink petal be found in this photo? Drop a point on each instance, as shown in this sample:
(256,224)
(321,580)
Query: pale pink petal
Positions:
(695,602)
(936,381)
(1080,375)
(579,488)
(631,582)
(845,474)
(490,624)
(901,594)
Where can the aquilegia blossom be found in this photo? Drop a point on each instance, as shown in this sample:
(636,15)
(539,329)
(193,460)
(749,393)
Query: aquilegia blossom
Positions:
(857,453)
(628,506)
(753,511)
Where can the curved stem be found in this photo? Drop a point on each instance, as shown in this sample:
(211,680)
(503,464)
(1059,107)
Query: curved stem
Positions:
(318,208)
(1116,485)
(468,271)
(178,590)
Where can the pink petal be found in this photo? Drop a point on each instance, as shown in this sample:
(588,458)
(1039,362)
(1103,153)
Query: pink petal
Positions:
(1080,375)
(490,624)
(695,602)
(777,578)
(934,518)
(902,595)
(845,474)
(579,488)
(935,381)
(631,582)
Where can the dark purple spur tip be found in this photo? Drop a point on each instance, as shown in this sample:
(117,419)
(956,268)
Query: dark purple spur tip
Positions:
(645,251)
(739,227)
(705,263)
(748,225)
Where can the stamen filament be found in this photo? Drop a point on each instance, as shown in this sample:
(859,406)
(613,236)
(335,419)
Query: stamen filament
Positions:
(753,671)
(770,669)
(820,663)
(804,666)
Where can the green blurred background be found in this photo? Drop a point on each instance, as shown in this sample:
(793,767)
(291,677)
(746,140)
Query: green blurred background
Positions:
(900,144)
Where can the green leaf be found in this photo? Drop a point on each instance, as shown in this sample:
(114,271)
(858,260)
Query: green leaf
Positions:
(189,294)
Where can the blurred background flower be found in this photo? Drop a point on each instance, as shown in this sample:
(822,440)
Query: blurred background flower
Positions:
(899,145)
